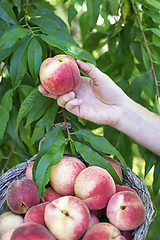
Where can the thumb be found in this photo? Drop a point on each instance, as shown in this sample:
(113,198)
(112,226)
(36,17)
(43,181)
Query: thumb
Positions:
(94,73)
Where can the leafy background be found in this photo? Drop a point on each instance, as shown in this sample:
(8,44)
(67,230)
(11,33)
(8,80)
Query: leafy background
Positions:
(121,37)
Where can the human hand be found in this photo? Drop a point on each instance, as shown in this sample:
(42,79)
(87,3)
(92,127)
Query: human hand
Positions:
(98,98)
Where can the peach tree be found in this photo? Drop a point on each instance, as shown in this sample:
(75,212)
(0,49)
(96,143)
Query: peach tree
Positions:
(120,37)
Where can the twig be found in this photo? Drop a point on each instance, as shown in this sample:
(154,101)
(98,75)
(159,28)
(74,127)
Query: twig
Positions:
(8,159)
(148,51)
(25,18)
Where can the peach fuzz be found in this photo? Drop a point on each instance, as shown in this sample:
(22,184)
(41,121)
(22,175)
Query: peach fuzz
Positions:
(9,220)
(125,210)
(116,167)
(64,174)
(36,214)
(21,195)
(29,171)
(95,186)
(50,195)
(60,74)
(67,218)
(32,231)
(103,231)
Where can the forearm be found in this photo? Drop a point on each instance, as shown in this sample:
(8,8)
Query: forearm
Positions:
(141,125)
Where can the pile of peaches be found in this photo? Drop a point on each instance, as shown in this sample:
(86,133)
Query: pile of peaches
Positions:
(79,203)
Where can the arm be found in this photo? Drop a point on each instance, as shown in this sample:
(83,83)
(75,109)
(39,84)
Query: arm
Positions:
(100,100)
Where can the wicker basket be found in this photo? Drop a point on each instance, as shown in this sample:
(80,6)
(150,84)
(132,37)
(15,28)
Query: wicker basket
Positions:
(131,179)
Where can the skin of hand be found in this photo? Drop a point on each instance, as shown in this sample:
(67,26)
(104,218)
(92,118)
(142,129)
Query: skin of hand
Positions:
(98,98)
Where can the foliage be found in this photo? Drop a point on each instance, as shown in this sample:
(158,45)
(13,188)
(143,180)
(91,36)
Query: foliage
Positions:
(121,37)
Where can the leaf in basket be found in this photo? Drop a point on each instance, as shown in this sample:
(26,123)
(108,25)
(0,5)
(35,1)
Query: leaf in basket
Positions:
(93,158)
(156,181)
(100,144)
(53,156)
(49,139)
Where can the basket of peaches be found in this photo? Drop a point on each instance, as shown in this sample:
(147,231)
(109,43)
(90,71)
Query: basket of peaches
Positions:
(80,201)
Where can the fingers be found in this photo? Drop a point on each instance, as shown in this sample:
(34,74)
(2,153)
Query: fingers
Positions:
(68,101)
(94,73)
(44,92)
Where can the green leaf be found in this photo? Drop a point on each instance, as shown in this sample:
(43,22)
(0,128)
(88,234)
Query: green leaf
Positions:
(38,131)
(68,48)
(94,159)
(39,106)
(150,160)
(43,171)
(152,14)
(34,58)
(100,144)
(72,12)
(156,31)
(18,65)
(50,115)
(26,105)
(50,138)
(93,10)
(7,13)
(9,38)
(156,181)
(153,3)
(5,108)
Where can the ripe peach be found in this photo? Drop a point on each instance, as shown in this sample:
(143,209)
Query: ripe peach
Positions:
(7,234)
(50,195)
(103,231)
(120,188)
(29,171)
(21,195)
(67,218)
(94,185)
(125,210)
(93,220)
(32,231)
(116,166)
(9,220)
(63,175)
(36,214)
(60,74)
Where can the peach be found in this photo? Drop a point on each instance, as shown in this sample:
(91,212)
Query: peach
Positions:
(64,174)
(120,188)
(36,214)
(9,220)
(21,195)
(50,195)
(94,185)
(32,231)
(29,171)
(103,231)
(60,74)
(97,213)
(125,210)
(93,220)
(67,217)
(7,234)
(116,166)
